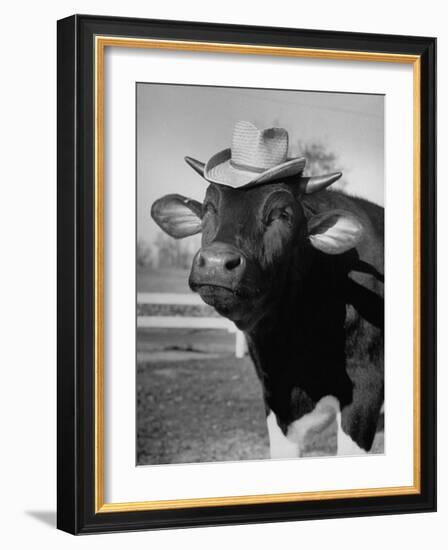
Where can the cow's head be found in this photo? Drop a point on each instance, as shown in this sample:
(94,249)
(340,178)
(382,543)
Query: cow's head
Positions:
(251,239)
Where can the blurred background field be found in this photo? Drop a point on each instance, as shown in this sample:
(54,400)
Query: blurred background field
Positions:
(163,279)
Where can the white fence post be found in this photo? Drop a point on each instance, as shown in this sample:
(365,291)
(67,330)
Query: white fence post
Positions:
(240,344)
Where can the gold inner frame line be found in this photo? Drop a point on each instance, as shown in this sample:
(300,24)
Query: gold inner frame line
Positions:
(101,42)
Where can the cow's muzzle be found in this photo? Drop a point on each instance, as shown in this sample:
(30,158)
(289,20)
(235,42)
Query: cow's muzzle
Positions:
(218,265)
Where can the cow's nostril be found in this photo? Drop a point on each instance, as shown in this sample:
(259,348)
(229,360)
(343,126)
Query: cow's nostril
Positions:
(232,263)
(201,261)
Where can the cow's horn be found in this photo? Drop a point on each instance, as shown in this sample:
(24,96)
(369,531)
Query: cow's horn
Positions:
(196,165)
(317,183)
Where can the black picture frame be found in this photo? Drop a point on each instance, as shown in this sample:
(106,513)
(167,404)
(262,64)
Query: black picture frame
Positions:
(76,286)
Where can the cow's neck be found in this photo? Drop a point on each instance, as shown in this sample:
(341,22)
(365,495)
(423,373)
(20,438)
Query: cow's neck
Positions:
(302,289)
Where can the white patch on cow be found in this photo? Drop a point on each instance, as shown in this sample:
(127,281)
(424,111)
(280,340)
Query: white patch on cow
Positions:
(346,445)
(312,423)
(291,445)
(280,446)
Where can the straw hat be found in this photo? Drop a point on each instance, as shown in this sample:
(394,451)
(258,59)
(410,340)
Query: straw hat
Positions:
(256,157)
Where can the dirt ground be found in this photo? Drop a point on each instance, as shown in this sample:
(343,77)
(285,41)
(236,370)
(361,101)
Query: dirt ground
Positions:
(197,403)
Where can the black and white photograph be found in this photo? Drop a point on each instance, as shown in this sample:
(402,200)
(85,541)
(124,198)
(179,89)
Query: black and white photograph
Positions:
(260,274)
(246,268)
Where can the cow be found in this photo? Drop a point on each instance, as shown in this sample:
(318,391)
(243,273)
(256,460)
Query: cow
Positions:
(298,267)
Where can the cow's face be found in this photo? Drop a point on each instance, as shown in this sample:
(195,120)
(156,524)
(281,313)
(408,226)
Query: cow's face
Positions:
(251,239)
(248,238)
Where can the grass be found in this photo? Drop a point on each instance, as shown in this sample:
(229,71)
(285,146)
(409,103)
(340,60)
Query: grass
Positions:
(199,411)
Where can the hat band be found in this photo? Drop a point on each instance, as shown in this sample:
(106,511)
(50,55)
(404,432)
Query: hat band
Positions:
(246,167)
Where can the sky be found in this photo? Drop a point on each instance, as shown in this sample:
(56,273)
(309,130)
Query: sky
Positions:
(174,121)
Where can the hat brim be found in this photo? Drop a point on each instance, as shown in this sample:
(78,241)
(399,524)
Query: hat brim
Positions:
(220,170)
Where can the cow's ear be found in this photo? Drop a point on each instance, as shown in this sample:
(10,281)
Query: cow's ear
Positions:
(335,232)
(177,215)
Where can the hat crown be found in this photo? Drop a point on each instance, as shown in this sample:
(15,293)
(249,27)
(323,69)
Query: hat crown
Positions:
(259,149)
(255,157)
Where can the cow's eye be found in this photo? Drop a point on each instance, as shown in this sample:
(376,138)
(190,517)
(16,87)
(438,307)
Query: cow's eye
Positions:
(280,214)
(209,208)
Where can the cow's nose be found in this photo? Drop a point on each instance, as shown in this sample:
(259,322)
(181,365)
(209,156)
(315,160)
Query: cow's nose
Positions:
(219,263)
(219,258)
